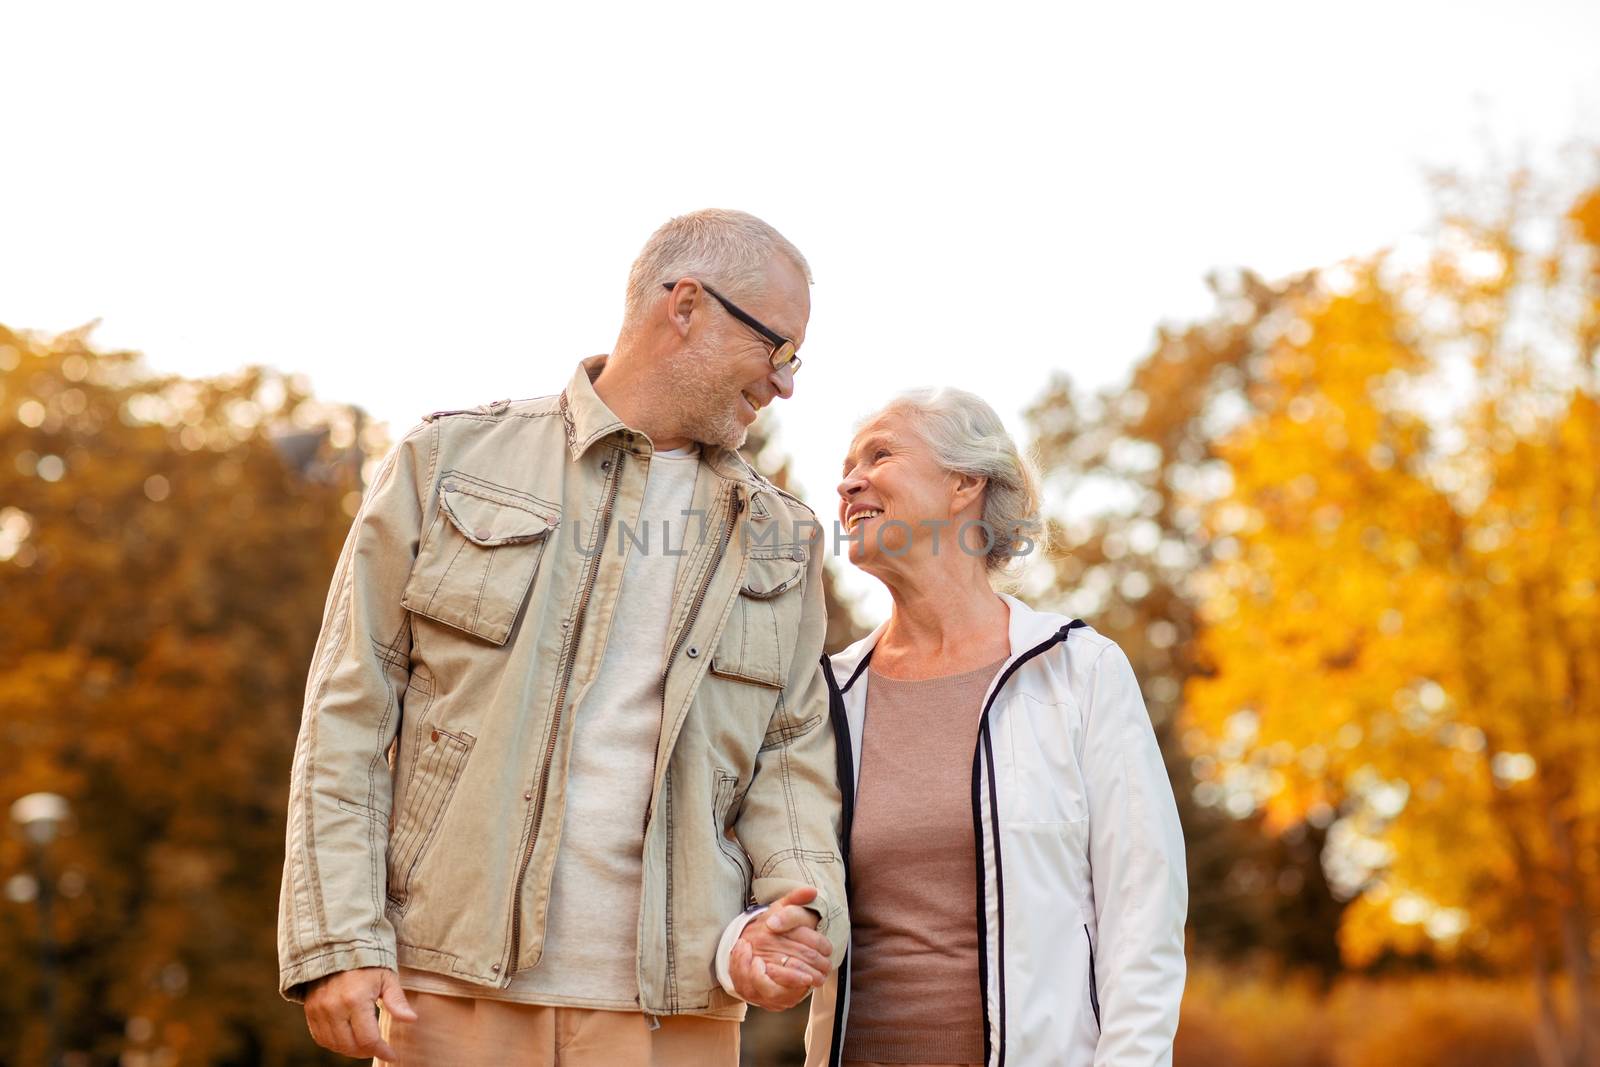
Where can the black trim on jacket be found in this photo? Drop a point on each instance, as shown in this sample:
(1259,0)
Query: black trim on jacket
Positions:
(982,758)
(845,766)
(985,748)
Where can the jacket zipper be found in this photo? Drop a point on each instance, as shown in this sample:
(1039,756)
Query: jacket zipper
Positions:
(1094,993)
(734,510)
(844,760)
(842,729)
(992,1056)
(561,700)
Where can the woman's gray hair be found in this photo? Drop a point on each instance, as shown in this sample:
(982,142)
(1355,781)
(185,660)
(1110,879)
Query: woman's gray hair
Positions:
(967,437)
(729,249)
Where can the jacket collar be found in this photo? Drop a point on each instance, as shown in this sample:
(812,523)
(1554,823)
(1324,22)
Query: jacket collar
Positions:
(1027,628)
(586,415)
(588,420)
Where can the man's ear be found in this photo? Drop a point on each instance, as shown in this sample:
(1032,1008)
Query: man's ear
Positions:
(681,302)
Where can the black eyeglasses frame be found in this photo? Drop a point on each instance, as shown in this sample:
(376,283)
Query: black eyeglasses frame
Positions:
(783,349)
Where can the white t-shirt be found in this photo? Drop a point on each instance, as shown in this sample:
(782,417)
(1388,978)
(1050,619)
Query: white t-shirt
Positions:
(590,956)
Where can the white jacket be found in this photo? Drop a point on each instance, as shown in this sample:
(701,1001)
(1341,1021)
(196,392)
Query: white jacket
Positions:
(1082,892)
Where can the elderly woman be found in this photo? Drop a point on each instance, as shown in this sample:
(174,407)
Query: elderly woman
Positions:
(1016,869)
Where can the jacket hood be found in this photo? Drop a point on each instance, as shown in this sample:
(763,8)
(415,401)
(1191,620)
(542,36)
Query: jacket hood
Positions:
(1028,627)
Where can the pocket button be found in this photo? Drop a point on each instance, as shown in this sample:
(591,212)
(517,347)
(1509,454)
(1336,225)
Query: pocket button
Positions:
(435,737)
(481,533)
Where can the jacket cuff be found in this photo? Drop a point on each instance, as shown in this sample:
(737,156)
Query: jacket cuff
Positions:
(293,980)
(730,937)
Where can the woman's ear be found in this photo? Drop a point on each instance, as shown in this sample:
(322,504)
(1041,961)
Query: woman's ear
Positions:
(969,489)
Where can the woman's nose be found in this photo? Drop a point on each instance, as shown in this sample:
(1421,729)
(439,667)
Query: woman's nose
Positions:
(851,485)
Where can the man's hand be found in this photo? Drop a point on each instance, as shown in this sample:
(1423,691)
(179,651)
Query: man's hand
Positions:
(780,956)
(341,1010)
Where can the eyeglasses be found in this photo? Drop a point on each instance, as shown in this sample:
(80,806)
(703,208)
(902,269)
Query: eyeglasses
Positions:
(783,354)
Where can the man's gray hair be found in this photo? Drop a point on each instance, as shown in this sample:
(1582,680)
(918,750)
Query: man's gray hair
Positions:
(967,437)
(728,249)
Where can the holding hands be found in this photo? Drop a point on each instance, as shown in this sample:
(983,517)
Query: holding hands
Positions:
(780,956)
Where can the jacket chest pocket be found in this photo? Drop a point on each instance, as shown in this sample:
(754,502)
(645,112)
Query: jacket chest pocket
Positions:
(477,561)
(757,643)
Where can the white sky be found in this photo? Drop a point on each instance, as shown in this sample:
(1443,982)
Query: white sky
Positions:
(434,206)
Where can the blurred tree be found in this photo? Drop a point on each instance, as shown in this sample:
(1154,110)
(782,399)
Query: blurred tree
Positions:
(1130,469)
(1400,615)
(165,547)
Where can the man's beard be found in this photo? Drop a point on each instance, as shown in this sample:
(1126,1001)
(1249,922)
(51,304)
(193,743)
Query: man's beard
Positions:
(704,412)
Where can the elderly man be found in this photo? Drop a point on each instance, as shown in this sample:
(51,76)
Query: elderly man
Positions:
(565,729)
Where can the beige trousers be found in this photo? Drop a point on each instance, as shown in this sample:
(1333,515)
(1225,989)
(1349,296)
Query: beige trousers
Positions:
(469,1032)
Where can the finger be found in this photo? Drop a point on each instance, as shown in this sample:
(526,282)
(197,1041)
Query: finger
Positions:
(340,1038)
(812,940)
(803,895)
(794,974)
(799,953)
(782,920)
(774,948)
(784,997)
(314,1025)
(777,946)
(774,997)
(379,1046)
(743,968)
(364,1026)
(762,971)
(324,1026)
(739,964)
(368,1039)
(394,998)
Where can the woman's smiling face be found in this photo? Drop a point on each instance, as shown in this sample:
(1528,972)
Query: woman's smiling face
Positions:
(894,493)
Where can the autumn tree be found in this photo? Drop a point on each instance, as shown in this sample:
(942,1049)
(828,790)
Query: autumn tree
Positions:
(1128,471)
(1400,616)
(165,547)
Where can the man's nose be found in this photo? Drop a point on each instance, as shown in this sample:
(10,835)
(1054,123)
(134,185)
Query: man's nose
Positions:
(782,379)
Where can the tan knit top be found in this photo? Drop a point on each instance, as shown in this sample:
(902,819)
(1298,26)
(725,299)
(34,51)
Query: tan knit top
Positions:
(914,987)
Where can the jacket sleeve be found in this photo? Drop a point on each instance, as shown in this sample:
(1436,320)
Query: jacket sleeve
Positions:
(790,822)
(1136,856)
(331,906)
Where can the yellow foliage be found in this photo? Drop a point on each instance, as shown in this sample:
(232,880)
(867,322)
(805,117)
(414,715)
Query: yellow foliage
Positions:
(1402,616)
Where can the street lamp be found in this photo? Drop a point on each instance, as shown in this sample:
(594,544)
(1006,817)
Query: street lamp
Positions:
(40,817)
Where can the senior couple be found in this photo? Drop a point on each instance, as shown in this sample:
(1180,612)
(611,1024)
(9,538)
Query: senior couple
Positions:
(575,781)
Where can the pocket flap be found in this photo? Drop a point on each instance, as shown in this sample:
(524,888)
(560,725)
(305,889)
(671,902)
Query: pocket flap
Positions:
(488,519)
(766,578)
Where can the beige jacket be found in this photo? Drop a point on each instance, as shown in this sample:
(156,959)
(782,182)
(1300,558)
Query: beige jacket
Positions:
(468,615)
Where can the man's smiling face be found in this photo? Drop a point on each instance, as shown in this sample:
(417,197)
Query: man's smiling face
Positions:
(723,376)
